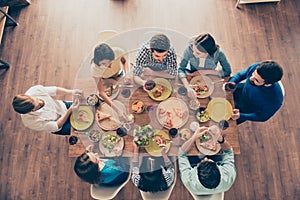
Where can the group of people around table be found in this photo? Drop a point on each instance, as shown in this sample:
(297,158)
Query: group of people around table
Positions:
(257,97)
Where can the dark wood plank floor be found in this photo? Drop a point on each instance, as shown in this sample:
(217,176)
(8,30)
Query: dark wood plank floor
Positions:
(54,37)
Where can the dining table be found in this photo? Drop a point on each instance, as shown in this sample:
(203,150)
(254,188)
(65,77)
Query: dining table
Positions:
(127,93)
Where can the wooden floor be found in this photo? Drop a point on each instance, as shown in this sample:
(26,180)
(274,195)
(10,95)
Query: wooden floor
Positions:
(52,40)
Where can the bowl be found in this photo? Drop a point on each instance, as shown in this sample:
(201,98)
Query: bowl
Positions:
(194,104)
(142,135)
(93,100)
(202,115)
(138,106)
(94,135)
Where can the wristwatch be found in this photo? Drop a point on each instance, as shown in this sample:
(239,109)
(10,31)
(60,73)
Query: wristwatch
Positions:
(223,140)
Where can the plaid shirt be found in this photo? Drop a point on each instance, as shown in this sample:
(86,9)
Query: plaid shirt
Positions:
(144,58)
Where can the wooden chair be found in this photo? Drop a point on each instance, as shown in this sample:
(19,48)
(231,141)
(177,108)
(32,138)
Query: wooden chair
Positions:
(102,192)
(218,196)
(162,195)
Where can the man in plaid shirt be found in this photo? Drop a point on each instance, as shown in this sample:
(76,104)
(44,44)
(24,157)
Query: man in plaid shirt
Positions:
(155,58)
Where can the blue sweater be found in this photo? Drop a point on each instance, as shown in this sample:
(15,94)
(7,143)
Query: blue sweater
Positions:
(256,103)
(113,172)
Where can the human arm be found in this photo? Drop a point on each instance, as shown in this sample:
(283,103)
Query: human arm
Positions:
(64,91)
(226,68)
(242,75)
(62,120)
(188,144)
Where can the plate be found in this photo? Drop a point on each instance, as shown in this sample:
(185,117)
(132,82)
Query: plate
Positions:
(219,109)
(113,122)
(153,149)
(202,81)
(167,89)
(213,133)
(172,105)
(206,151)
(112,88)
(82,118)
(110,152)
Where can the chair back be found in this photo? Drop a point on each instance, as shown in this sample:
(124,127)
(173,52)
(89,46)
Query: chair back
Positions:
(282,87)
(162,195)
(103,192)
(218,196)
(105,35)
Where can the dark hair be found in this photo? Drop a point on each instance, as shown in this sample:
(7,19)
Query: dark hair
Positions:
(23,103)
(103,52)
(160,43)
(152,181)
(209,174)
(270,71)
(86,169)
(206,43)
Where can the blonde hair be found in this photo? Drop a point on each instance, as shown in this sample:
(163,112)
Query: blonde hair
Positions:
(23,103)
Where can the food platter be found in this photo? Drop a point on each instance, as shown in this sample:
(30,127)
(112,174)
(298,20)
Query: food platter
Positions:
(113,122)
(111,88)
(203,86)
(172,113)
(219,109)
(153,148)
(206,151)
(110,143)
(82,118)
(162,89)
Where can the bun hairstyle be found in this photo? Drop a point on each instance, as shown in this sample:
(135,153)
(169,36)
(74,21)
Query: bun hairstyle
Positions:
(206,43)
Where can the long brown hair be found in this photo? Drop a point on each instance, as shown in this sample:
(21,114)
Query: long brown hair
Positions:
(23,103)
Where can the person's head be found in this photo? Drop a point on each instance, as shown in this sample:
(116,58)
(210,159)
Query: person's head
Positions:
(87,167)
(24,104)
(159,45)
(208,173)
(152,179)
(266,74)
(204,45)
(103,55)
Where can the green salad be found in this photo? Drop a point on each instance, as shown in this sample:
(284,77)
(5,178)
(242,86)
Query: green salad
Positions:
(143,134)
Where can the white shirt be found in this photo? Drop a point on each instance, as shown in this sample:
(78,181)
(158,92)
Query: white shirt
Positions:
(45,118)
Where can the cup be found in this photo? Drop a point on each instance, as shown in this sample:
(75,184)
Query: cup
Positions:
(182,91)
(229,86)
(149,85)
(121,131)
(73,140)
(93,100)
(173,132)
(223,124)
(126,93)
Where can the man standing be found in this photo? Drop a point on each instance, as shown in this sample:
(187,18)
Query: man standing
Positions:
(260,96)
(207,176)
(155,58)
